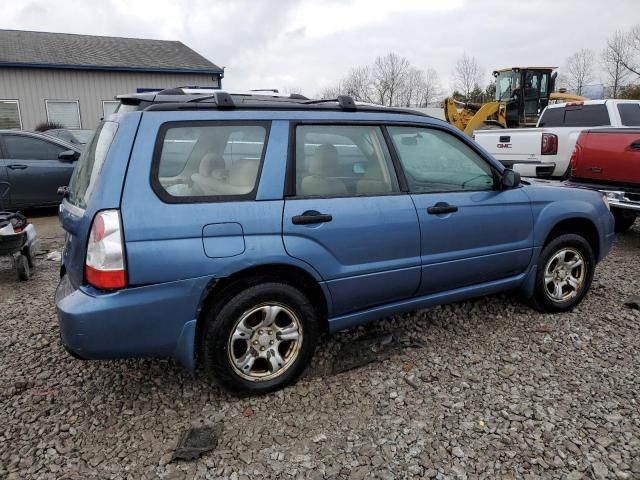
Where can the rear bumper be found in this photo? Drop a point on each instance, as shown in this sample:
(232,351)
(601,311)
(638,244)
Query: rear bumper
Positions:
(532,169)
(149,321)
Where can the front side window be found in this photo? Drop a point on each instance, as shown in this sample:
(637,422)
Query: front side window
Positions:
(436,161)
(64,112)
(342,160)
(22,147)
(208,160)
(10,115)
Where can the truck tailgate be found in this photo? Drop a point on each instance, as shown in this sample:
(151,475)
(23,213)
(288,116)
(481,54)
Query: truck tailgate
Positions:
(513,145)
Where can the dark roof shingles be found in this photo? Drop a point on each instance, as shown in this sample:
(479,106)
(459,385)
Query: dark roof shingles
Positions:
(86,51)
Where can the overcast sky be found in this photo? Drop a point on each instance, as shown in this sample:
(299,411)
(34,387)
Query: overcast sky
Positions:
(307,44)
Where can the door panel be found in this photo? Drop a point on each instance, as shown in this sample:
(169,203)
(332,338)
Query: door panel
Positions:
(489,237)
(368,253)
(471,231)
(34,170)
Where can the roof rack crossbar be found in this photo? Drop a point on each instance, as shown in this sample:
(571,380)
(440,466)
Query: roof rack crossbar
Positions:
(345,102)
(223,100)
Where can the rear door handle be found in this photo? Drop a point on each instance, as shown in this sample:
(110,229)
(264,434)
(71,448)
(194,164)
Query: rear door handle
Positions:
(311,216)
(440,208)
(15,166)
(635,145)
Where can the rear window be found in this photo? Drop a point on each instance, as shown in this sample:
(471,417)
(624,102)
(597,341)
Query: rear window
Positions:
(576,116)
(208,160)
(629,114)
(90,164)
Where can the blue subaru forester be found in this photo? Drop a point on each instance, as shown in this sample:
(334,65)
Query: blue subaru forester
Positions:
(229,231)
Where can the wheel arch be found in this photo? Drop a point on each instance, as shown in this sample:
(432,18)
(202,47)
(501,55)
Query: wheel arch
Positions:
(582,226)
(220,290)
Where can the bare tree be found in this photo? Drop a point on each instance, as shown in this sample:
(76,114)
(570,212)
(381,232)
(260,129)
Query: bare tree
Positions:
(331,91)
(414,83)
(391,81)
(613,58)
(580,69)
(467,75)
(432,89)
(632,41)
(389,75)
(357,84)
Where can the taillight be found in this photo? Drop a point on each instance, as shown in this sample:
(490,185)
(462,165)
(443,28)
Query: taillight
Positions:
(549,144)
(105,267)
(573,162)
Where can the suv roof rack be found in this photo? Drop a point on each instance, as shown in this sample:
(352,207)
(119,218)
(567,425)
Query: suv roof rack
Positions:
(178,99)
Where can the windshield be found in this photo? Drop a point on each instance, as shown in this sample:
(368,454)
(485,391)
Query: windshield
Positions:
(506,84)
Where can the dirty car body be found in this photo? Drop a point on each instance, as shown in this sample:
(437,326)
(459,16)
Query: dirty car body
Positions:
(344,223)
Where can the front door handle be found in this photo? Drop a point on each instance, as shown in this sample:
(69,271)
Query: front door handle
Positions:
(441,208)
(311,216)
(16,166)
(635,145)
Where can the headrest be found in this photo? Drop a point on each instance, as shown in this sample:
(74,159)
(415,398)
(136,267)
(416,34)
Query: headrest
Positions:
(243,173)
(209,163)
(324,160)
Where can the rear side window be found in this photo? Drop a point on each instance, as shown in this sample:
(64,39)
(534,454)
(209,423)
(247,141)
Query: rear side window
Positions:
(576,116)
(343,160)
(629,114)
(90,164)
(197,161)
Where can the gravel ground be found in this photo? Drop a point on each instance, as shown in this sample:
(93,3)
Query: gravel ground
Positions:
(488,389)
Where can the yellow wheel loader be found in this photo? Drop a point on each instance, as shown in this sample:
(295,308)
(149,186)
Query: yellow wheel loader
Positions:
(521,95)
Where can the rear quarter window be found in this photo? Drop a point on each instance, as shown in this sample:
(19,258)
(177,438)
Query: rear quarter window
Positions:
(90,164)
(629,114)
(208,161)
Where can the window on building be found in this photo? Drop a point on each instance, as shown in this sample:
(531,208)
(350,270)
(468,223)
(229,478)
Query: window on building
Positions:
(10,114)
(109,107)
(64,112)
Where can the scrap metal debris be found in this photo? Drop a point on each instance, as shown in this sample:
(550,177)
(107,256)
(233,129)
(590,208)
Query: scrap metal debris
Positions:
(372,347)
(633,302)
(198,439)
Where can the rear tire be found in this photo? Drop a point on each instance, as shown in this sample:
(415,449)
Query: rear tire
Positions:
(624,219)
(564,273)
(261,339)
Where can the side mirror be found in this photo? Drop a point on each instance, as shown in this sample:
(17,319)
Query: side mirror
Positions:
(510,179)
(68,156)
(359,168)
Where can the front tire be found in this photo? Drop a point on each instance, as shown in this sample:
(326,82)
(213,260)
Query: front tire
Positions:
(260,340)
(564,273)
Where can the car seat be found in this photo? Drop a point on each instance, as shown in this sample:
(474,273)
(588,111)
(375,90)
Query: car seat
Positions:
(322,165)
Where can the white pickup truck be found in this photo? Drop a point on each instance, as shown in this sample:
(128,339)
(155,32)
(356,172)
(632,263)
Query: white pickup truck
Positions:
(545,151)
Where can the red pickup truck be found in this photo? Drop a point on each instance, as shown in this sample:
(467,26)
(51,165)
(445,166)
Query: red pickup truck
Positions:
(608,160)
